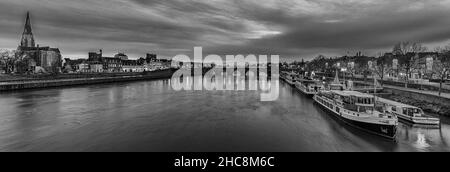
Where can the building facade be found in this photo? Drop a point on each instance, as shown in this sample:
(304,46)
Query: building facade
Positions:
(97,63)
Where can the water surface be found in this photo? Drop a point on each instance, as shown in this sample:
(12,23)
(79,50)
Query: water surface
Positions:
(150,116)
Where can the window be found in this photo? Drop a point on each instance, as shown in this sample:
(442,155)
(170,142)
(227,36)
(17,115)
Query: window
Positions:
(362,109)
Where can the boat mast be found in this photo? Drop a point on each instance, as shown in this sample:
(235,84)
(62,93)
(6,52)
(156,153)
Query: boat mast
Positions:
(336,78)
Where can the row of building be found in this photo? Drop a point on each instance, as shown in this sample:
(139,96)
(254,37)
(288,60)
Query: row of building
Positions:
(97,63)
(411,66)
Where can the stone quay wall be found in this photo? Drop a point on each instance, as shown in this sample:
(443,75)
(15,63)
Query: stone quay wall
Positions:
(34,84)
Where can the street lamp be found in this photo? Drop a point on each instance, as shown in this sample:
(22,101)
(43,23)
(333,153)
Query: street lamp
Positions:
(344,70)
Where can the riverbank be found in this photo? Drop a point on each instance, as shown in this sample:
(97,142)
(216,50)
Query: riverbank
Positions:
(46,81)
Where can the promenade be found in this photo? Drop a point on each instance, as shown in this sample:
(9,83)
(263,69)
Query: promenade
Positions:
(431,93)
(400,86)
(80,80)
(427,92)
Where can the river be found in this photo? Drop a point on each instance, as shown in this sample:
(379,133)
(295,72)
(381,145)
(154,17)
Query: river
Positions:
(150,116)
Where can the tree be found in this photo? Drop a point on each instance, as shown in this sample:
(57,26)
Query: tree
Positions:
(56,67)
(407,51)
(408,66)
(317,64)
(7,60)
(443,50)
(352,69)
(441,69)
(380,69)
(403,48)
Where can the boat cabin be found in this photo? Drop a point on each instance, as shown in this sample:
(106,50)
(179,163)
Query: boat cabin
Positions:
(313,85)
(403,109)
(336,87)
(358,102)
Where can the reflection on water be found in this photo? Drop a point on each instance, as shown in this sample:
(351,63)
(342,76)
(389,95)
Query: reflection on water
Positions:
(421,143)
(150,116)
(424,138)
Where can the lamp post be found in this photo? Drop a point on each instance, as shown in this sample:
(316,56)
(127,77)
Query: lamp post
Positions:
(344,70)
(422,80)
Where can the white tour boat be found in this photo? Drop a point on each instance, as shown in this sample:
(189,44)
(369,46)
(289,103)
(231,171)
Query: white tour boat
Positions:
(310,87)
(409,113)
(359,110)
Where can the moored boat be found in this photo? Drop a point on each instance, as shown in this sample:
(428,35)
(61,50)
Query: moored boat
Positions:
(409,113)
(359,110)
(310,87)
(290,78)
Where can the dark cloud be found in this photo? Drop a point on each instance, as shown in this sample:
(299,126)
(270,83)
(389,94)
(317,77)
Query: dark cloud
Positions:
(291,28)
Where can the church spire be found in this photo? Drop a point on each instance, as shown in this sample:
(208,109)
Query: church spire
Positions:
(27,36)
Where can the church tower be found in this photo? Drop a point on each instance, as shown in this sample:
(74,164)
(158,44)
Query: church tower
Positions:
(27,36)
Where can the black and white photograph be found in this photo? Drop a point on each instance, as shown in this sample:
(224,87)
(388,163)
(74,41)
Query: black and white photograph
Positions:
(250,76)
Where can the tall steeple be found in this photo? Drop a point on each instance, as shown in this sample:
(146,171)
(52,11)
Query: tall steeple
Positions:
(27,36)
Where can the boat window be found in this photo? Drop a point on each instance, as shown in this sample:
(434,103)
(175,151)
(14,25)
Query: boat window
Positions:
(410,112)
(421,111)
(363,109)
(379,108)
(394,108)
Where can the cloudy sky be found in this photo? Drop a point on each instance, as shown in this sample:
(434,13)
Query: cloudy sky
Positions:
(294,29)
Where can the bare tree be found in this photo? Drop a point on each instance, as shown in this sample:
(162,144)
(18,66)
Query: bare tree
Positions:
(363,69)
(353,70)
(403,48)
(7,59)
(318,64)
(406,49)
(443,49)
(409,66)
(441,69)
(56,67)
(380,69)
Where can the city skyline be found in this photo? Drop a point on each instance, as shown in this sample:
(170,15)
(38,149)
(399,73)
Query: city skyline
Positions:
(301,29)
